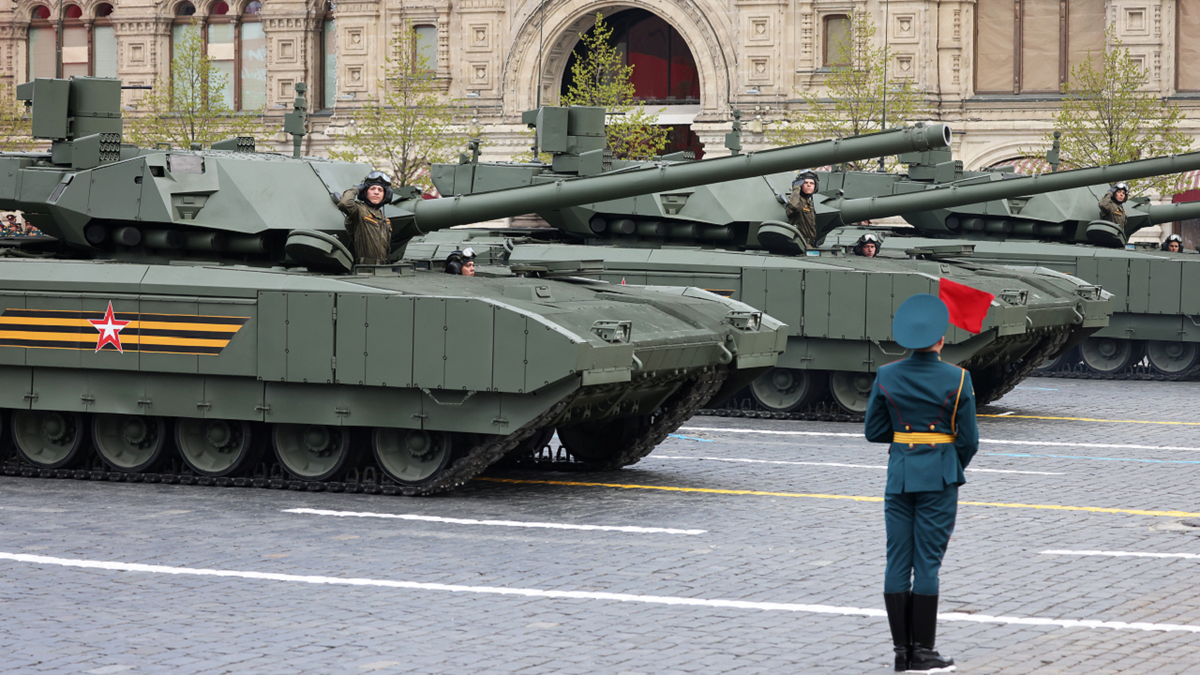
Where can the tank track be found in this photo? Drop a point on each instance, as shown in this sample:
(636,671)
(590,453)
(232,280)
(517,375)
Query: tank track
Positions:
(368,480)
(820,411)
(1010,379)
(682,407)
(1137,371)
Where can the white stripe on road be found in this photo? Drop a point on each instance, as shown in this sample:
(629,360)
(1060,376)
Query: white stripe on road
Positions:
(584,595)
(1127,554)
(498,523)
(844,466)
(771,432)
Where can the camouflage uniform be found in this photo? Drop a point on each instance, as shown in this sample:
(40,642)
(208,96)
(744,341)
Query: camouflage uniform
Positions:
(369,231)
(801,215)
(1111,210)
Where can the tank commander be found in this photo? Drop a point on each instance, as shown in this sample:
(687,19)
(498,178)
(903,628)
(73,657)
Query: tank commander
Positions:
(461,262)
(369,231)
(1112,204)
(799,206)
(925,409)
(867,245)
(1173,244)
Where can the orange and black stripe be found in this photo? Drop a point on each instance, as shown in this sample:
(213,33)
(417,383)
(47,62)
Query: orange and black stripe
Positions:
(152,333)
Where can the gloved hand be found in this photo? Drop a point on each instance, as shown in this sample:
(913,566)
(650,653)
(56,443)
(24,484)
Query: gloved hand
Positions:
(782,198)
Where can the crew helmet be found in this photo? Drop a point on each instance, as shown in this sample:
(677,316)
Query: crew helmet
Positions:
(1118,187)
(376,178)
(456,260)
(1170,238)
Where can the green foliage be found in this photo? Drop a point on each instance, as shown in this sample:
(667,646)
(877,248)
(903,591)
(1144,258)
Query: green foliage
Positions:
(190,106)
(1106,117)
(860,93)
(409,127)
(14,122)
(600,78)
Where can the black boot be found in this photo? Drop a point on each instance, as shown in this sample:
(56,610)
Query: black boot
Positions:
(924,630)
(899,606)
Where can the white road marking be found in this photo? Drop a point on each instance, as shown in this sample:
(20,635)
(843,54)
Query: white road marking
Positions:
(585,595)
(836,464)
(1128,554)
(1058,444)
(497,523)
(1004,414)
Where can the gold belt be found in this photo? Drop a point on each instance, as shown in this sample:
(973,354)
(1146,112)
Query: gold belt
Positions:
(921,437)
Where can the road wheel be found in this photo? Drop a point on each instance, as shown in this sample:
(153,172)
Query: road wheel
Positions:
(1110,356)
(851,391)
(215,447)
(412,456)
(1172,358)
(48,439)
(311,451)
(132,443)
(784,390)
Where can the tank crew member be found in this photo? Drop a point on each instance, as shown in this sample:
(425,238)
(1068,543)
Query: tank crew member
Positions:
(1112,204)
(867,245)
(925,409)
(369,231)
(1173,244)
(461,262)
(799,206)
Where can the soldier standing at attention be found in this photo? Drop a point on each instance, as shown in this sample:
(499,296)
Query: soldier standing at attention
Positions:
(925,409)
(799,206)
(369,231)
(1112,204)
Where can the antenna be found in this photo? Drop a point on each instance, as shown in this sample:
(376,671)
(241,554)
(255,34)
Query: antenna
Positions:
(887,5)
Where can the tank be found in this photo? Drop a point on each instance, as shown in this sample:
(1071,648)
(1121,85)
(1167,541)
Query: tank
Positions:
(729,236)
(1153,333)
(192,317)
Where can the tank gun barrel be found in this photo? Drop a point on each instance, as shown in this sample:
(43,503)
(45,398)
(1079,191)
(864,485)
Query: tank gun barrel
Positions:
(438,214)
(946,196)
(1168,213)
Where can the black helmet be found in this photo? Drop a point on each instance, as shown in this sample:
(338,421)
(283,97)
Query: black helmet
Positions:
(456,260)
(376,178)
(1120,186)
(867,238)
(1170,238)
(807,174)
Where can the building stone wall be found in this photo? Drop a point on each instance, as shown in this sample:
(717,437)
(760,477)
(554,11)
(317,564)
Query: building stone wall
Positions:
(755,55)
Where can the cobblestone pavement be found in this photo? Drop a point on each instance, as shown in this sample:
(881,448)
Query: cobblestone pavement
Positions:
(807,566)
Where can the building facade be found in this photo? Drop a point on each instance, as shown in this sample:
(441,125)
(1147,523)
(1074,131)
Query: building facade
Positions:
(990,68)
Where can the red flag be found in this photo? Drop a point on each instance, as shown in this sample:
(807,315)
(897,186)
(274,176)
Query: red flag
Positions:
(968,306)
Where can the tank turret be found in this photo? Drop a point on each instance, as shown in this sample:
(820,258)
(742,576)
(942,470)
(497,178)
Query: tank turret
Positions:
(103,198)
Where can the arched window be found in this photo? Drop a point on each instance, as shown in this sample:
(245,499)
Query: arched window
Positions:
(104,43)
(76,54)
(42,46)
(837,40)
(328,58)
(235,44)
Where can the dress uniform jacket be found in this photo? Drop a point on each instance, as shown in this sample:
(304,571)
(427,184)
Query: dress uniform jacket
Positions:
(926,409)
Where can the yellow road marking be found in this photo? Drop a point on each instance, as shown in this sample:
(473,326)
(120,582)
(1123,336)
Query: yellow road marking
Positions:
(760,493)
(1089,419)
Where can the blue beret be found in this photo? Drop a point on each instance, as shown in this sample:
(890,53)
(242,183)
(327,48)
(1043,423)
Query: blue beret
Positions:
(920,322)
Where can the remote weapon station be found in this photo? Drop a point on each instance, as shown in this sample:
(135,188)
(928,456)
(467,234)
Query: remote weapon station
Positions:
(730,235)
(194,318)
(1155,329)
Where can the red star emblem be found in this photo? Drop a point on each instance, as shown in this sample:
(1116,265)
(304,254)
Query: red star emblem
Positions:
(109,328)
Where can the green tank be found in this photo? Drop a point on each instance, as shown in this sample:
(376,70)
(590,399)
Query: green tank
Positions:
(1154,332)
(192,317)
(729,236)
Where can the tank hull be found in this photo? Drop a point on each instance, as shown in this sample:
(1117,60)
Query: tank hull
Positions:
(838,309)
(100,360)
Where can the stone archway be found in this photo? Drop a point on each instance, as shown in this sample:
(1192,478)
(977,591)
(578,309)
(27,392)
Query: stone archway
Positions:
(565,20)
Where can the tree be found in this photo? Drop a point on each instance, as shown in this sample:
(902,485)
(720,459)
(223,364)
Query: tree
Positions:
(599,77)
(189,107)
(14,122)
(1106,117)
(408,127)
(861,97)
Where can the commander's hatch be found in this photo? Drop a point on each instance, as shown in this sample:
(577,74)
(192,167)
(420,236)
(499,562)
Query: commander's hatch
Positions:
(945,252)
